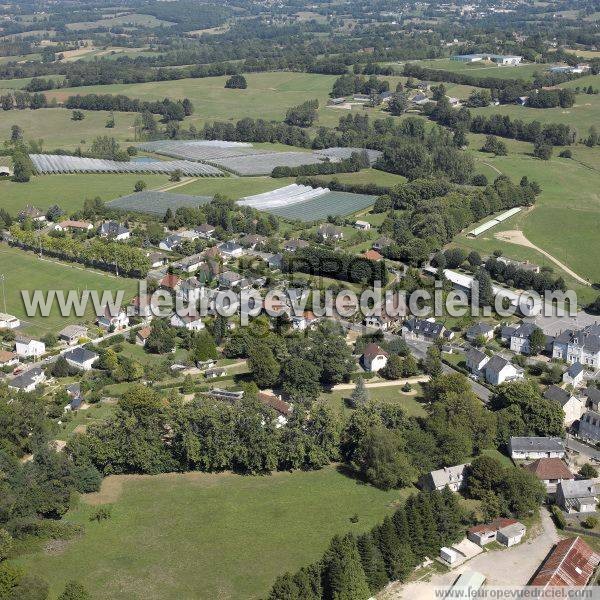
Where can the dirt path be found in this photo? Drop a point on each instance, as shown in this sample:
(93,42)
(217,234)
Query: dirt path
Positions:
(376,384)
(169,187)
(516,236)
(487,164)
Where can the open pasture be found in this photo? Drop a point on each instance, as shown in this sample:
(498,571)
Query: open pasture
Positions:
(70,191)
(483,69)
(26,271)
(238,532)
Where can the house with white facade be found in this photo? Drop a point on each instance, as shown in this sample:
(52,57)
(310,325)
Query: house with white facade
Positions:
(582,346)
(574,374)
(27,347)
(530,448)
(453,477)
(572,406)
(374,357)
(28,381)
(589,427)
(114,230)
(579,496)
(9,321)
(81,359)
(189,322)
(113,319)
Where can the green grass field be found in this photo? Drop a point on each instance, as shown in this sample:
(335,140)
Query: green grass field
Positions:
(566,219)
(268,94)
(70,191)
(26,271)
(237,533)
(56,128)
(483,69)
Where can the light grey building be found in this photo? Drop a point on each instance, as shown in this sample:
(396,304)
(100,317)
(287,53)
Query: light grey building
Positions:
(453,477)
(530,448)
(577,496)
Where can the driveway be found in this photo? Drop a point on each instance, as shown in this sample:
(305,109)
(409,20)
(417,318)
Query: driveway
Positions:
(507,567)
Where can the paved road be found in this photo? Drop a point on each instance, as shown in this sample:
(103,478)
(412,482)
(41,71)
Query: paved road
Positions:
(583,449)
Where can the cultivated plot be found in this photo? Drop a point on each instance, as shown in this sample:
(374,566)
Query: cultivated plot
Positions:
(157,203)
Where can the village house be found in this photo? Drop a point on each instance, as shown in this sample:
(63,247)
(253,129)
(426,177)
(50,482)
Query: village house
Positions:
(577,496)
(374,358)
(550,471)
(507,532)
(157,259)
(7,358)
(27,347)
(530,448)
(480,331)
(113,319)
(253,240)
(582,346)
(171,242)
(453,477)
(31,212)
(304,321)
(170,282)
(498,370)
(9,321)
(380,243)
(574,374)
(205,231)
(230,279)
(293,245)
(362,225)
(570,564)
(572,406)
(114,230)
(80,358)
(275,261)
(73,226)
(28,381)
(519,340)
(282,408)
(189,264)
(189,322)
(142,335)
(427,330)
(372,255)
(71,334)
(144,306)
(231,249)
(215,373)
(191,290)
(327,231)
(381,322)
(589,426)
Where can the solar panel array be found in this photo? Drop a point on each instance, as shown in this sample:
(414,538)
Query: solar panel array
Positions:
(157,203)
(47,164)
(285,196)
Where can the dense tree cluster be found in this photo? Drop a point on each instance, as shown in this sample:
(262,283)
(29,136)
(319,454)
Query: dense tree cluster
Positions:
(324,262)
(236,82)
(565,98)
(347,85)
(359,566)
(303,115)
(170,110)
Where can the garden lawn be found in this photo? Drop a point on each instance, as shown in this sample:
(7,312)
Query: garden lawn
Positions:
(235,533)
(70,191)
(25,271)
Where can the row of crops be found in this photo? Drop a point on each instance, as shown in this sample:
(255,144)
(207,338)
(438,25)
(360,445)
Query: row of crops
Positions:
(157,203)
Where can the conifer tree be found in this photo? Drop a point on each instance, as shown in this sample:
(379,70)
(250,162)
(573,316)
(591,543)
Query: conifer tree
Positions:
(431,538)
(344,576)
(360,395)
(284,588)
(308,582)
(416,538)
(372,562)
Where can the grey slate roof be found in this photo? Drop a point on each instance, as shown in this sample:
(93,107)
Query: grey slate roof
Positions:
(557,394)
(80,355)
(112,228)
(537,444)
(447,475)
(575,369)
(496,364)
(475,356)
(425,328)
(582,488)
(26,379)
(478,329)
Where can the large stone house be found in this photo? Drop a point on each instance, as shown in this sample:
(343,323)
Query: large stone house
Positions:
(582,345)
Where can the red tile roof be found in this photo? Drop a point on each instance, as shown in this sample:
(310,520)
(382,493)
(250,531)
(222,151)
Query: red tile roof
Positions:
(6,356)
(170,281)
(372,350)
(144,333)
(492,526)
(277,404)
(571,563)
(550,468)
(372,255)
